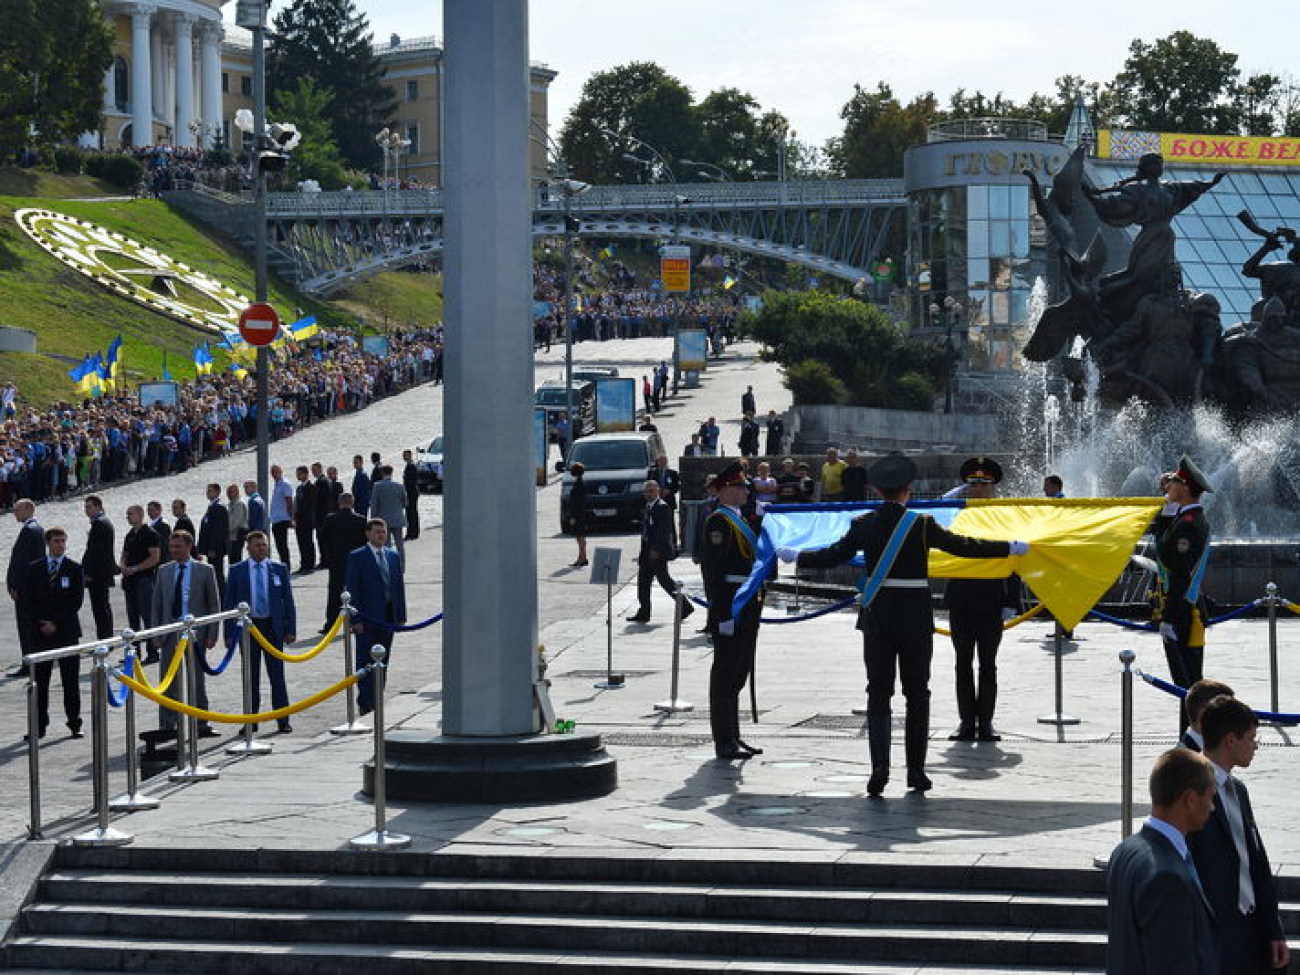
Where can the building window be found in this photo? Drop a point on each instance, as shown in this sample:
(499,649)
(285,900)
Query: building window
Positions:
(121,76)
(225,133)
(225,83)
(412,91)
(413,137)
(246,86)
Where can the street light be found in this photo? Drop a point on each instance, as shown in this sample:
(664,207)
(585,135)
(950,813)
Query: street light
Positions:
(658,156)
(390,142)
(708,170)
(947,314)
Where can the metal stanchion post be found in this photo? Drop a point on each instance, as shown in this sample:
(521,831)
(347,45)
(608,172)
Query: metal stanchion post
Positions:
(1126,658)
(674,704)
(1272,600)
(353,726)
(188,768)
(246,745)
(102,834)
(33,756)
(380,838)
(133,799)
(612,680)
(1060,717)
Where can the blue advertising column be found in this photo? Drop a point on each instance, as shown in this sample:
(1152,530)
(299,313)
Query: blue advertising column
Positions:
(490,748)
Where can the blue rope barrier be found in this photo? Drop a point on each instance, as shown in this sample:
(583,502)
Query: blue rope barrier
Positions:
(403,628)
(825,610)
(231,646)
(118,693)
(1239,611)
(1127,624)
(1272,717)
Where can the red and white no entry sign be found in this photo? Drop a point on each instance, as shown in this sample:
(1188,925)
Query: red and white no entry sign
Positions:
(259,324)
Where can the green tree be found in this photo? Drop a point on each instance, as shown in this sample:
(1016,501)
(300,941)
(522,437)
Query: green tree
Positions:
(317,156)
(735,136)
(53,56)
(329,42)
(1180,83)
(817,336)
(639,100)
(878,129)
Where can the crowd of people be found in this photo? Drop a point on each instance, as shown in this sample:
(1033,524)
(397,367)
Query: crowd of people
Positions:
(47,453)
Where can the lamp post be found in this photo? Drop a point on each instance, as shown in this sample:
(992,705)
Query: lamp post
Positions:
(708,170)
(947,315)
(390,142)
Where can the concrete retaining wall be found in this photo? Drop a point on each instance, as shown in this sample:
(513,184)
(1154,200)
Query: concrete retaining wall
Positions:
(815,428)
(17,340)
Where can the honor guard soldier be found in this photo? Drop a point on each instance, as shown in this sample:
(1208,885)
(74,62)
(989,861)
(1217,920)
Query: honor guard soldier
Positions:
(1182,550)
(726,551)
(896,618)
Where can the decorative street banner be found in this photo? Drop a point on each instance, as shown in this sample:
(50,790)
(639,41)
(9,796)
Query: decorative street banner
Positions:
(675,267)
(692,350)
(541,444)
(1217,150)
(615,405)
(1077,546)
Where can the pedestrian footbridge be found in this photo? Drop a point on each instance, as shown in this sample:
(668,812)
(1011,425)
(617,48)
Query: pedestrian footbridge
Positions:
(323,241)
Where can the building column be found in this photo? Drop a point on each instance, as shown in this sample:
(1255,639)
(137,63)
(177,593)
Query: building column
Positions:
(110,87)
(159,88)
(141,76)
(210,78)
(184,75)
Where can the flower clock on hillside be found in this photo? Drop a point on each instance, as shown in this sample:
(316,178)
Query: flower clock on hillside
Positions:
(136,271)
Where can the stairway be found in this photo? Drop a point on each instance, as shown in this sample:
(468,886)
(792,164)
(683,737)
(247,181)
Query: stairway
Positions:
(330,912)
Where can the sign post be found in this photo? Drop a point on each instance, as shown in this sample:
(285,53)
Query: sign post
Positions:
(259,325)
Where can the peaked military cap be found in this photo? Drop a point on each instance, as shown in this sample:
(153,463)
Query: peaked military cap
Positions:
(1191,475)
(984,470)
(733,473)
(892,472)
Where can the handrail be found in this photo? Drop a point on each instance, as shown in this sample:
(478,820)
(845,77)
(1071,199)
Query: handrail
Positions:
(135,636)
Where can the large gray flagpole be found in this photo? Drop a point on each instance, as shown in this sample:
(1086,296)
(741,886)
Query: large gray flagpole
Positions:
(490,524)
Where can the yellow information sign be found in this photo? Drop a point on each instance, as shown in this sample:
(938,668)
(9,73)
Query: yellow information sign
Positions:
(1213,150)
(675,267)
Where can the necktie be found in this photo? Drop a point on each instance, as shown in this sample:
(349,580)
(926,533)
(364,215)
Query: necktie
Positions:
(1237,823)
(259,593)
(178,595)
(383,572)
(54,569)
(1191,868)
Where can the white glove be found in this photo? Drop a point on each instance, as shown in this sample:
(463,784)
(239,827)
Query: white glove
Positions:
(1167,631)
(727,627)
(1019,548)
(787,554)
(1008,614)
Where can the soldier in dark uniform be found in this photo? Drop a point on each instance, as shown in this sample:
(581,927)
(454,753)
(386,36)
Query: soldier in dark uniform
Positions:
(1182,548)
(976,611)
(896,619)
(726,555)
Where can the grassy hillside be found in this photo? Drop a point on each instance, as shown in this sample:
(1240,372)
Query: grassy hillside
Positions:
(72,315)
(394,298)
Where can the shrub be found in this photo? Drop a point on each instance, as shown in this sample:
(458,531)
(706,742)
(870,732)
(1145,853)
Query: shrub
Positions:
(813,383)
(67,160)
(912,391)
(121,171)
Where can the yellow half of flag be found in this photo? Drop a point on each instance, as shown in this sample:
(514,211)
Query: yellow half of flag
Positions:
(1077,546)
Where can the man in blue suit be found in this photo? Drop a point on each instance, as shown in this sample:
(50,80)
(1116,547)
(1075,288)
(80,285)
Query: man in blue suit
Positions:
(360,486)
(263,583)
(374,581)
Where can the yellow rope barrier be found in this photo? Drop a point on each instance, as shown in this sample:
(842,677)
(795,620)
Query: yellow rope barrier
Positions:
(1294,607)
(1016,621)
(177,656)
(221,718)
(297,658)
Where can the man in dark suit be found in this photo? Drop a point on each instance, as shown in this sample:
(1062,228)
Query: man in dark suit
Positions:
(344,531)
(1160,922)
(326,501)
(411,484)
(53,590)
(1229,854)
(657,550)
(360,486)
(257,516)
(374,580)
(99,564)
(726,554)
(214,535)
(28,547)
(670,485)
(304,520)
(180,512)
(185,586)
(153,512)
(1198,696)
(263,583)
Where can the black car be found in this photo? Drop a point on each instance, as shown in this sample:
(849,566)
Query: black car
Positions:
(553,397)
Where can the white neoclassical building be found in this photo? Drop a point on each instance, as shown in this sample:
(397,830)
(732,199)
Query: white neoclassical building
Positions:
(166,78)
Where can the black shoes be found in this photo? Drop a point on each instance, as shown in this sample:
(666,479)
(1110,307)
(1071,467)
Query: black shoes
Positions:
(987,733)
(687,609)
(578,564)
(879,779)
(732,752)
(207,731)
(285,727)
(918,781)
(639,618)
(746,747)
(964,732)
(74,727)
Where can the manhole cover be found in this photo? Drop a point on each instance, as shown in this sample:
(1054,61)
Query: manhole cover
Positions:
(792,764)
(774,811)
(667,825)
(602,674)
(529,831)
(844,722)
(828,794)
(650,739)
(843,778)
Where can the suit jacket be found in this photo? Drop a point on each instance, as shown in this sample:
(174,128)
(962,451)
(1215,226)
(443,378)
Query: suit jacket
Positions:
(279,595)
(1159,922)
(237,520)
(204,598)
(366,586)
(1217,862)
(361,492)
(326,499)
(257,520)
(164,533)
(304,504)
(214,529)
(344,530)
(57,600)
(657,530)
(28,547)
(388,501)
(100,560)
(670,483)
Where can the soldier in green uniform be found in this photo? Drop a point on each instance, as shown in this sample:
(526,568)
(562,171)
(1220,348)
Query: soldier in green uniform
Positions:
(896,618)
(1182,549)
(727,546)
